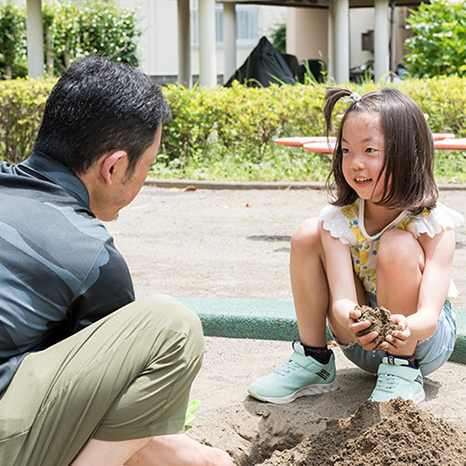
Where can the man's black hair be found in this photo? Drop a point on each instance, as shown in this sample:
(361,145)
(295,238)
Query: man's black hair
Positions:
(96,107)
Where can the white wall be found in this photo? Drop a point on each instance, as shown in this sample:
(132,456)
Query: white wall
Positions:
(269,18)
(158,46)
(307,33)
(361,20)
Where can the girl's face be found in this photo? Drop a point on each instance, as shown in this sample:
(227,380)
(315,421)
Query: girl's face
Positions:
(363,147)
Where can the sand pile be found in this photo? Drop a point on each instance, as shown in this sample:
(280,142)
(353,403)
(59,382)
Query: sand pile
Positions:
(380,434)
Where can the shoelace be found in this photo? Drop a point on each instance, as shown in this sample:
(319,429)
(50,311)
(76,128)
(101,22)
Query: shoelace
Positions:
(386,383)
(288,367)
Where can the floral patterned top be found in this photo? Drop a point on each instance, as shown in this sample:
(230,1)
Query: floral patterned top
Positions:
(347,224)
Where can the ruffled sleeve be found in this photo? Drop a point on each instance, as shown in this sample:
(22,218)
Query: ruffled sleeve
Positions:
(338,224)
(434,221)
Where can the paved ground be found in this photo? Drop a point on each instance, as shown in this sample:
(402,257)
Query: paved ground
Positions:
(228,243)
(218,243)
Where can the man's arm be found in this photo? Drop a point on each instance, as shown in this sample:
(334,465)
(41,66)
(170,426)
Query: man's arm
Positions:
(107,287)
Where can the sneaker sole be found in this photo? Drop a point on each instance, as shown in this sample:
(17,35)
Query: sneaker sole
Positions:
(417,398)
(304,391)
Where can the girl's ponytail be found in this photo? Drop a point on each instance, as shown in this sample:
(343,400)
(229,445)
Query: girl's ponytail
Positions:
(332,96)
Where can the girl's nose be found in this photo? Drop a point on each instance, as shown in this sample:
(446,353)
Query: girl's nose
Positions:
(357,162)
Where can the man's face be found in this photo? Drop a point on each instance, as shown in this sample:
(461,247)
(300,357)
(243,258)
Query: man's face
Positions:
(126,187)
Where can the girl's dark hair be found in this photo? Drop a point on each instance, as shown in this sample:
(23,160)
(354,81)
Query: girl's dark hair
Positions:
(408,181)
(98,106)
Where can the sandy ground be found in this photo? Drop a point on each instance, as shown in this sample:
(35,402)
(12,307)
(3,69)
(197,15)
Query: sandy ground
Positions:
(235,244)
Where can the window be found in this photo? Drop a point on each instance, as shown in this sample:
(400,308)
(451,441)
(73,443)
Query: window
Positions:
(247,24)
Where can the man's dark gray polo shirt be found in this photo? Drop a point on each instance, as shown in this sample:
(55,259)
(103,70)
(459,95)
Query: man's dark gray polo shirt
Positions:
(59,268)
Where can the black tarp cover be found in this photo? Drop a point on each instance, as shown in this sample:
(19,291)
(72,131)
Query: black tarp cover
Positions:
(263,67)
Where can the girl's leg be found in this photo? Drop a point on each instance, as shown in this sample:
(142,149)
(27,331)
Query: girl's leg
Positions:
(399,274)
(309,282)
(311,368)
(312,300)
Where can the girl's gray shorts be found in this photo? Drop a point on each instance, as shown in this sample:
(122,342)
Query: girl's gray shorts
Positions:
(431,353)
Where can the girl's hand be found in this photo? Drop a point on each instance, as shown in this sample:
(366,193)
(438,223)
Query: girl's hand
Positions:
(369,341)
(397,340)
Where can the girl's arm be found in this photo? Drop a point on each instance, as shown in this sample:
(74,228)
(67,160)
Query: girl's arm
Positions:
(341,282)
(435,282)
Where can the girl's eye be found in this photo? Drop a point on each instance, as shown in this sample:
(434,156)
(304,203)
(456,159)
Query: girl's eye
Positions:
(344,150)
(371,150)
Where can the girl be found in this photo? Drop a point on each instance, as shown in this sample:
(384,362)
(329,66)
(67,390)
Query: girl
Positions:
(383,241)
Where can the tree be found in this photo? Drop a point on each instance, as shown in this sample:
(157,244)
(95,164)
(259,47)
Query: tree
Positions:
(13,45)
(438,47)
(279,38)
(72,30)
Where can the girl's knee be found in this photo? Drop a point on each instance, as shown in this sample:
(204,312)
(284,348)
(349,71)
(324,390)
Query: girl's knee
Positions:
(307,235)
(399,248)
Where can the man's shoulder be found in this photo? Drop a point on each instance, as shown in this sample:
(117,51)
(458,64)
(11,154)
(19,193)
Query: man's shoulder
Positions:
(53,224)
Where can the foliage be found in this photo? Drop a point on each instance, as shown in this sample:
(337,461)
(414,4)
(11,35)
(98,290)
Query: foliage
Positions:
(13,44)
(93,27)
(443,100)
(109,30)
(438,47)
(238,119)
(279,38)
(71,30)
(22,102)
(277,163)
(229,133)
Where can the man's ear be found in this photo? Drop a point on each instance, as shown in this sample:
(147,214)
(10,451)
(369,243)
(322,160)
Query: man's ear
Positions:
(113,162)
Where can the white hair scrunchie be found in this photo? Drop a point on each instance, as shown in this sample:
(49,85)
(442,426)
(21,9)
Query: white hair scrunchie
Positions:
(353,98)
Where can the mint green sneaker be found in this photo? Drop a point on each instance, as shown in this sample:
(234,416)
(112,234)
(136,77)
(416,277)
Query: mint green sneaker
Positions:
(395,380)
(300,376)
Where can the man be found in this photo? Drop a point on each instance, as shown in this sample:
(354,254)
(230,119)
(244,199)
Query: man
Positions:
(88,375)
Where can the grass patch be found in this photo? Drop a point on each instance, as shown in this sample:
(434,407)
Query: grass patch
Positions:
(274,164)
(450,167)
(279,163)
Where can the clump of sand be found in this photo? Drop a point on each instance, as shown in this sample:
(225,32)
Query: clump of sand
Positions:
(380,321)
(396,432)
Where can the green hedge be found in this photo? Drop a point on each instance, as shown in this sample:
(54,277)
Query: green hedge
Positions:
(239,118)
(251,118)
(236,123)
(22,103)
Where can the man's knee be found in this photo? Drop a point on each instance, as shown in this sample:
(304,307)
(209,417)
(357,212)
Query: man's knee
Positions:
(167,312)
(166,309)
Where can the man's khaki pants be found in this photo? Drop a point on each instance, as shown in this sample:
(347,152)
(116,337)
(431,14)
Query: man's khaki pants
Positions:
(126,376)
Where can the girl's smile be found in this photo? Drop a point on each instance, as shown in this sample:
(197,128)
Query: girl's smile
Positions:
(363,147)
(363,182)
